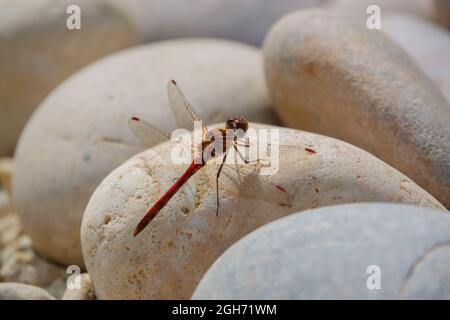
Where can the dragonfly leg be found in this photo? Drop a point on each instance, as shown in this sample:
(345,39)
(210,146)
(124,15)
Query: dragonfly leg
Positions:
(242,157)
(246,144)
(243,145)
(217,182)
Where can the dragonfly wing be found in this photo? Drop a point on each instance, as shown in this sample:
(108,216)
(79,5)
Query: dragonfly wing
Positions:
(259,179)
(183,112)
(246,181)
(178,153)
(149,134)
(254,150)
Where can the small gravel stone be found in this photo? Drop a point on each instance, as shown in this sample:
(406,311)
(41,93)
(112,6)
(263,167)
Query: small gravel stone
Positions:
(10,229)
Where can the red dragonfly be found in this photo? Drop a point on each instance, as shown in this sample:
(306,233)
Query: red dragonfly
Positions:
(214,143)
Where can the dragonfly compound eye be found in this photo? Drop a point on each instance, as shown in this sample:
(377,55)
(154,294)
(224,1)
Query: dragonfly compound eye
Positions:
(242,124)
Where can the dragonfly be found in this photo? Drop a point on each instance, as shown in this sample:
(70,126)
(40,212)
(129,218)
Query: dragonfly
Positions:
(218,142)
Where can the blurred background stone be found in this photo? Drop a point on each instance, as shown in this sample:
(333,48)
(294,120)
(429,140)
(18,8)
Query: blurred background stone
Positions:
(19,291)
(427,43)
(19,262)
(58,287)
(246,21)
(443,9)
(37,52)
(10,229)
(6,165)
(325,253)
(327,76)
(5,187)
(5,203)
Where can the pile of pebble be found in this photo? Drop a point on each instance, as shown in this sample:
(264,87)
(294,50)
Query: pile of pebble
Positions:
(75,181)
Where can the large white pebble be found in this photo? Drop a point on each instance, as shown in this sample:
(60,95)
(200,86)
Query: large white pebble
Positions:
(80,132)
(167,260)
(427,43)
(38,51)
(327,76)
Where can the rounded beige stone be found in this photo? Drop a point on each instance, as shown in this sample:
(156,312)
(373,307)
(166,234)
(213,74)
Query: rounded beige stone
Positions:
(37,52)
(168,258)
(19,291)
(329,77)
(79,134)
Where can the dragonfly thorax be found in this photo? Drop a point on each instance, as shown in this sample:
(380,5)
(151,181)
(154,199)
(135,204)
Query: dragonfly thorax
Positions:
(217,142)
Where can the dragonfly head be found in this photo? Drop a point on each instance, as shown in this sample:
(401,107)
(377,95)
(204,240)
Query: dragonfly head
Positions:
(239,124)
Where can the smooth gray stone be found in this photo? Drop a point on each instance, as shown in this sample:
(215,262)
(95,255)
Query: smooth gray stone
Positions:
(324,254)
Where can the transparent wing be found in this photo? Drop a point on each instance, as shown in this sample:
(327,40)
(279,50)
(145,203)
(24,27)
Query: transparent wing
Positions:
(149,134)
(258,150)
(183,112)
(247,182)
(265,175)
(178,153)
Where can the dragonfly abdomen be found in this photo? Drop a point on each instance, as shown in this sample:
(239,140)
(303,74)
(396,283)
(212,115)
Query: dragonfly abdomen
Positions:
(161,203)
